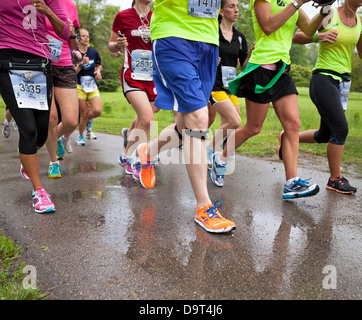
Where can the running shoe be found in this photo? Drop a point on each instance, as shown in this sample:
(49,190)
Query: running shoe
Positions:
(128,167)
(60,149)
(90,135)
(54,171)
(67,145)
(88,126)
(217,171)
(147,174)
(280,148)
(300,188)
(23,173)
(136,169)
(122,160)
(42,202)
(341,185)
(126,162)
(211,220)
(6,129)
(80,141)
(124,134)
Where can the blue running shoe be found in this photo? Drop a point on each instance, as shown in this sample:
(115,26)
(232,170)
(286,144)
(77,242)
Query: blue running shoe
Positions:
(299,189)
(80,141)
(60,148)
(217,171)
(54,171)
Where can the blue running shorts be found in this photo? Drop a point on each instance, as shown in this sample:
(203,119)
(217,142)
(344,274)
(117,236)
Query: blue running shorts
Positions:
(184,73)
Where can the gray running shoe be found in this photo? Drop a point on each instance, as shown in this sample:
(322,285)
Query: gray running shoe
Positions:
(217,171)
(6,129)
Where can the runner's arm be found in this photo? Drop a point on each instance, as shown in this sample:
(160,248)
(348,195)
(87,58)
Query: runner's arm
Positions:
(269,22)
(56,15)
(359,44)
(116,44)
(301,38)
(309,27)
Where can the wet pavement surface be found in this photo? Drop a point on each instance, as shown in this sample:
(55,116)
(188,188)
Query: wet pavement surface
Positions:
(112,239)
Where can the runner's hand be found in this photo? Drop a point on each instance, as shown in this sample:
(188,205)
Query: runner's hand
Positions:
(329,36)
(71,27)
(40,6)
(85,59)
(121,42)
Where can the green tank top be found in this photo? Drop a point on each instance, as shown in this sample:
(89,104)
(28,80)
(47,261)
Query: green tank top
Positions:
(187,19)
(337,56)
(275,47)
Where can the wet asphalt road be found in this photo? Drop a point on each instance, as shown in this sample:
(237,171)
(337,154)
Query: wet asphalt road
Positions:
(112,239)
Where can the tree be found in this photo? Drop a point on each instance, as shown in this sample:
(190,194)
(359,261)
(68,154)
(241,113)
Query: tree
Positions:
(301,75)
(356,73)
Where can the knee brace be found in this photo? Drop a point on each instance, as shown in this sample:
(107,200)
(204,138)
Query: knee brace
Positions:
(197,133)
(178,133)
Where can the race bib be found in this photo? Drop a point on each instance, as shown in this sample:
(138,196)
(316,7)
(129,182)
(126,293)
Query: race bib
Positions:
(30,89)
(88,84)
(344,88)
(55,47)
(142,65)
(204,8)
(227,74)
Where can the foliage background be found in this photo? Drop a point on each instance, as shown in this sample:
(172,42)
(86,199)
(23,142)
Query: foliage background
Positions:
(97,17)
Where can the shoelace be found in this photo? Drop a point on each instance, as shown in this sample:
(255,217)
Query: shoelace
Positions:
(149,164)
(302,183)
(59,167)
(43,196)
(212,211)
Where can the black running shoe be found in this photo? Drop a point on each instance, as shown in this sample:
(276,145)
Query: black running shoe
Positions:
(340,185)
(280,149)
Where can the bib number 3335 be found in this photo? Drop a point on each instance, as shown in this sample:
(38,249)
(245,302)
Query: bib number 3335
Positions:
(30,89)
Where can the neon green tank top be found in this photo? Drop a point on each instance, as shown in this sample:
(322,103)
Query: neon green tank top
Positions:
(337,56)
(188,19)
(275,47)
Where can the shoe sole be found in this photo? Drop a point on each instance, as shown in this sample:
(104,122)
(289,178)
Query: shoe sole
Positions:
(49,210)
(301,195)
(55,177)
(222,230)
(339,191)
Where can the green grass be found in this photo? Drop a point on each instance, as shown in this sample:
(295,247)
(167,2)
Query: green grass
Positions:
(11,276)
(117,113)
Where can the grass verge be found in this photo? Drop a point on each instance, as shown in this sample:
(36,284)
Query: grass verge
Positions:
(11,273)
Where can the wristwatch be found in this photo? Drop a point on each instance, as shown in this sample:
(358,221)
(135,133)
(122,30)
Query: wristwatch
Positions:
(295,4)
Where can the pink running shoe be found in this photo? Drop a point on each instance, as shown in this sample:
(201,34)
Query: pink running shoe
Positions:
(136,167)
(126,162)
(23,173)
(42,202)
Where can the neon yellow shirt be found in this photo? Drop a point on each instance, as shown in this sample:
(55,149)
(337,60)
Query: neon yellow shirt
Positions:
(275,47)
(337,56)
(173,18)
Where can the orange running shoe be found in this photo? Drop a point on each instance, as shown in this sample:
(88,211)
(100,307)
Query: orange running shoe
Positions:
(147,173)
(211,220)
